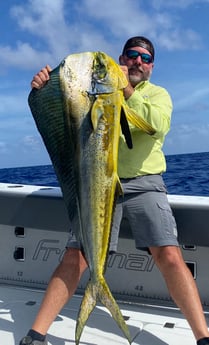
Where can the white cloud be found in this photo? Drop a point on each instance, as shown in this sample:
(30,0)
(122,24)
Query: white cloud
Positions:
(161,26)
(45,20)
(123,18)
(170,39)
(61,27)
(187,138)
(189,97)
(44,31)
(15,103)
(31,142)
(22,55)
(182,4)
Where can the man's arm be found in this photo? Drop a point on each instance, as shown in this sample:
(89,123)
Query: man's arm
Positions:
(155,108)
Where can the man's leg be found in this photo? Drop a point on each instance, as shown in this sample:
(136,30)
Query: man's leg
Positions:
(181,286)
(61,287)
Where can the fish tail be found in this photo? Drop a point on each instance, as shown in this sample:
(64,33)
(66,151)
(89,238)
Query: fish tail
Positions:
(107,299)
(99,292)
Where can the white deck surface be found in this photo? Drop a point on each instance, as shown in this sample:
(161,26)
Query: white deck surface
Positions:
(18,307)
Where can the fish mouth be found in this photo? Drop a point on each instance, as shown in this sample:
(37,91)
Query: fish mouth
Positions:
(98,85)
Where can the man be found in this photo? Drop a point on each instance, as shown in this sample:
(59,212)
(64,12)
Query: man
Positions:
(144,202)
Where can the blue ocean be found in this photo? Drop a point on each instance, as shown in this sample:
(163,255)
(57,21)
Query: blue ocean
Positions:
(187,174)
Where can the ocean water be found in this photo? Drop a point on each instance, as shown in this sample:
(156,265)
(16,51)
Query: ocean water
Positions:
(187,174)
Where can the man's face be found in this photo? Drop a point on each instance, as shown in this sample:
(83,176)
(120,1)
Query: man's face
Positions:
(138,67)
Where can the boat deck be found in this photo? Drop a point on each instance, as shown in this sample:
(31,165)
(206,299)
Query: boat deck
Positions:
(149,325)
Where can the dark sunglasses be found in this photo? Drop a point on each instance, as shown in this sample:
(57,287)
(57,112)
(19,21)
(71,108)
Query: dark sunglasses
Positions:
(133,54)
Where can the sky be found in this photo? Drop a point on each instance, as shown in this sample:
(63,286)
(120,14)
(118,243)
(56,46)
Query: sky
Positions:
(34,33)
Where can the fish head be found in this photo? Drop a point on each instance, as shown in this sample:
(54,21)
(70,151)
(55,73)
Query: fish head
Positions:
(93,73)
(107,76)
(86,75)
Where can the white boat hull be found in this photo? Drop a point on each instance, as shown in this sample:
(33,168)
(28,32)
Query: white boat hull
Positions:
(34,230)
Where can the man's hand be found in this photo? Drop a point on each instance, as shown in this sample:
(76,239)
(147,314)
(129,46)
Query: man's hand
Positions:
(129,88)
(40,79)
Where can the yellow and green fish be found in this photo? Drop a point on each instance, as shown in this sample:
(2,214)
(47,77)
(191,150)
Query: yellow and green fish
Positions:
(80,113)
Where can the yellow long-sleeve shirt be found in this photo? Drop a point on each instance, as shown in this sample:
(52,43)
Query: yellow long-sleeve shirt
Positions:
(154,105)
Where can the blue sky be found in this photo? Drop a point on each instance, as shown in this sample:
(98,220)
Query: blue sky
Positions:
(37,32)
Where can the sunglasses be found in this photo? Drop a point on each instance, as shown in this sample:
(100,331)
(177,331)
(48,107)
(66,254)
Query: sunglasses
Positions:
(133,54)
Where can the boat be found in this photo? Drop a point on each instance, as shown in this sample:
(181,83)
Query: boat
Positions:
(33,232)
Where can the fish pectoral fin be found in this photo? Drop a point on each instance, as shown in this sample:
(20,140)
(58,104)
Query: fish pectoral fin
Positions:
(99,292)
(102,104)
(137,121)
(96,112)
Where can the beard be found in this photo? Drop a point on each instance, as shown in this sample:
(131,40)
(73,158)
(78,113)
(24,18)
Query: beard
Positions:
(138,76)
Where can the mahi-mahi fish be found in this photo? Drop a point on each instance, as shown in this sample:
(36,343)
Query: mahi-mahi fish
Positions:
(79,114)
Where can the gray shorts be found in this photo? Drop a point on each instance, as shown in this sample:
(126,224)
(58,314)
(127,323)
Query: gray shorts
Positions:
(146,208)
